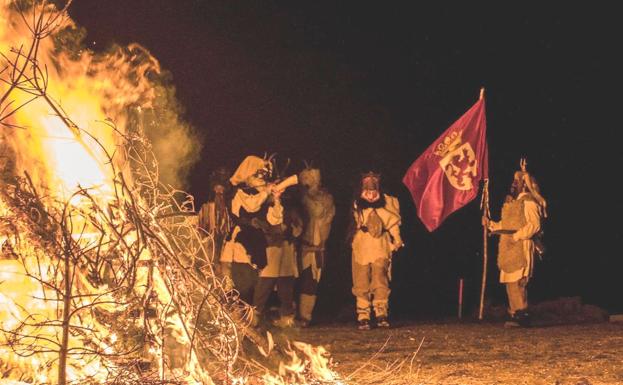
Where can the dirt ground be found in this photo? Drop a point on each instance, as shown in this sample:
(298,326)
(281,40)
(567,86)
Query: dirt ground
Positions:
(453,353)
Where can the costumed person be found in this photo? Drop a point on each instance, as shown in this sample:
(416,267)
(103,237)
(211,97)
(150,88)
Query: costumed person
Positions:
(319,212)
(376,236)
(281,269)
(255,207)
(520,222)
(214,215)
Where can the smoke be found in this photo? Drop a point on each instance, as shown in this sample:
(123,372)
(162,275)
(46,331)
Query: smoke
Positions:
(175,143)
(141,97)
(123,86)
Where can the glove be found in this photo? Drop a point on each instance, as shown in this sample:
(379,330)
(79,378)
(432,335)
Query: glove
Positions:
(396,246)
(494,226)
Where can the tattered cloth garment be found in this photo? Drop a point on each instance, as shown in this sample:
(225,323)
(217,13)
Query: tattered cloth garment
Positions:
(374,224)
(511,255)
(320,211)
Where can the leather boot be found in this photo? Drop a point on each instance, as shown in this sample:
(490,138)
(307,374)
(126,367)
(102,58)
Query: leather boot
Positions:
(523,318)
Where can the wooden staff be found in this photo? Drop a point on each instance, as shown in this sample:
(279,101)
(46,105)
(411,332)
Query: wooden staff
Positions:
(484,205)
(460,298)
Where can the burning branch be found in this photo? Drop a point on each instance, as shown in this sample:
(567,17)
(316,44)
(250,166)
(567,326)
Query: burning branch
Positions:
(21,72)
(111,281)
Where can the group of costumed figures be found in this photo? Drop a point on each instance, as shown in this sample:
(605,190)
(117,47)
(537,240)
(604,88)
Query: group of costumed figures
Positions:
(270,234)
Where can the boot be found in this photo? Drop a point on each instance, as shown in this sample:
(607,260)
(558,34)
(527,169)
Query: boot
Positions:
(382,322)
(380,312)
(363,314)
(523,318)
(306,307)
(285,321)
(255,320)
(513,321)
(363,324)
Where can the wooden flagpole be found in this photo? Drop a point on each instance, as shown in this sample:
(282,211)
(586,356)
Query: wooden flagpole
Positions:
(484,205)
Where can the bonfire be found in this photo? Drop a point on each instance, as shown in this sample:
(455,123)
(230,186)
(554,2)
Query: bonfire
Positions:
(104,276)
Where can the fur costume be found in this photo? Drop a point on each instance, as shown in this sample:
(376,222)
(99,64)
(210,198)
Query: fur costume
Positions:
(510,253)
(320,210)
(519,224)
(214,217)
(253,213)
(281,269)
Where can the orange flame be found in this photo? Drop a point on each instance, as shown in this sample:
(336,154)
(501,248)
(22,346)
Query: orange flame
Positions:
(64,140)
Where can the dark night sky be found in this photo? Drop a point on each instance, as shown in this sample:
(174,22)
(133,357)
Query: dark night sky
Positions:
(353,85)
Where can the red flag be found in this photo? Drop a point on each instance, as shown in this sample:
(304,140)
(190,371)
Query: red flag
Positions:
(447,175)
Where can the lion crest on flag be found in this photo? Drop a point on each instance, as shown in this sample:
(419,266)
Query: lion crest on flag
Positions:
(461,153)
(458,161)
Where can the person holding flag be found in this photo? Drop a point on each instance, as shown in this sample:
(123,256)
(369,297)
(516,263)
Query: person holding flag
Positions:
(520,222)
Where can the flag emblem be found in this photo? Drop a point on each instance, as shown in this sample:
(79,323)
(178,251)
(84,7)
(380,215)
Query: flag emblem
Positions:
(445,177)
(458,161)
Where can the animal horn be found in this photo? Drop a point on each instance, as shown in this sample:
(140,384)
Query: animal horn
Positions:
(285,168)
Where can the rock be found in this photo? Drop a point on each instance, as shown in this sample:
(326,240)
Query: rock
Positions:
(616,318)
(592,313)
(566,310)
